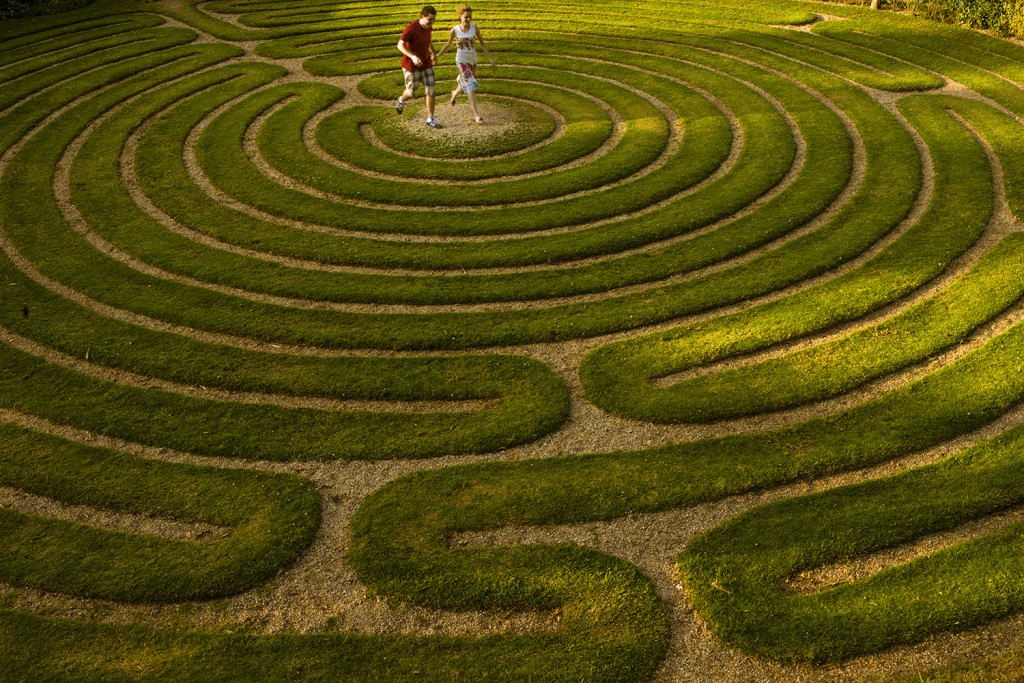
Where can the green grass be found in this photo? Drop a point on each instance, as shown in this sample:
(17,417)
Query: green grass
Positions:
(97,652)
(642,143)
(255,258)
(1002,669)
(618,376)
(270,519)
(411,533)
(87,51)
(737,571)
(326,434)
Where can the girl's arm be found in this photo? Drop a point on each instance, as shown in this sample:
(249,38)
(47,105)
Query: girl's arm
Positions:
(451,39)
(480,37)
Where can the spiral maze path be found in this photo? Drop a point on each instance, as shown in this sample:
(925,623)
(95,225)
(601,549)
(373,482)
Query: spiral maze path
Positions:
(260,335)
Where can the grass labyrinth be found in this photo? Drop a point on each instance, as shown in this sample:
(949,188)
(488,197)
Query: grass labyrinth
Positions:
(268,348)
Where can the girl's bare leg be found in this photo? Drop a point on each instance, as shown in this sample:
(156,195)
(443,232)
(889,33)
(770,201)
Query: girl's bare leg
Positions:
(455,93)
(472,105)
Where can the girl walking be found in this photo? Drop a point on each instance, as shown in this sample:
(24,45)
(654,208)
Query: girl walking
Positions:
(465,35)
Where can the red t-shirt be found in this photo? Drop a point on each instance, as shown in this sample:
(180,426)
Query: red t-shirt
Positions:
(417,39)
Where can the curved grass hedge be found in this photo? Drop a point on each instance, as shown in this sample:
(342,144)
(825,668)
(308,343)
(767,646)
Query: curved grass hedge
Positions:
(229,270)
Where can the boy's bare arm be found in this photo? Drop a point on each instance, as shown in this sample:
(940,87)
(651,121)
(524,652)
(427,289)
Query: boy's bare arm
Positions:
(408,53)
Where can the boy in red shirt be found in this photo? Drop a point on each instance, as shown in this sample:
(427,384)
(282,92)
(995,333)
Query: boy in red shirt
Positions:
(418,62)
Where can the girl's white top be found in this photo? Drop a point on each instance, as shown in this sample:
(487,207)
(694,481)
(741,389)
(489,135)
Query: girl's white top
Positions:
(465,52)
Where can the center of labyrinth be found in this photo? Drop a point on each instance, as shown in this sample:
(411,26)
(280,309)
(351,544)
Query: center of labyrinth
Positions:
(508,127)
(701,355)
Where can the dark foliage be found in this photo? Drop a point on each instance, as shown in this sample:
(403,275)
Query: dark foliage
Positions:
(15,9)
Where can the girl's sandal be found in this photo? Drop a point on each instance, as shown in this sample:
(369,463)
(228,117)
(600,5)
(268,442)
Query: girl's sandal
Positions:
(479,119)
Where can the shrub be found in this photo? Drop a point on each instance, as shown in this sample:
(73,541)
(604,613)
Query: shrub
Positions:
(1015,18)
(1006,17)
(14,9)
